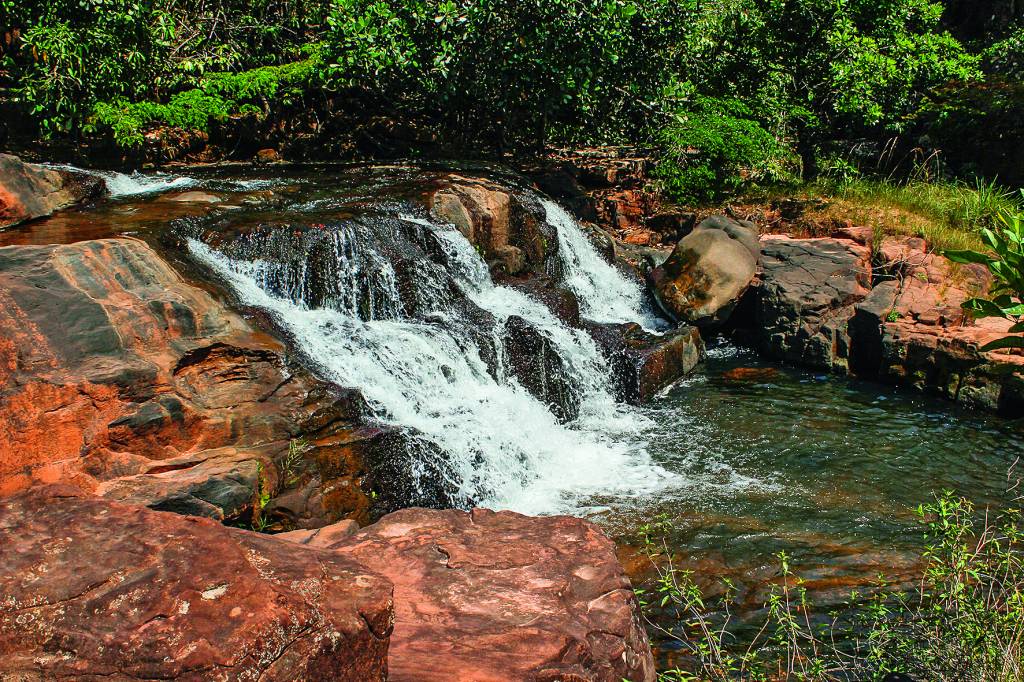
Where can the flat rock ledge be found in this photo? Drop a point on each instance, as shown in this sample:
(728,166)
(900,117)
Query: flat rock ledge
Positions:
(93,589)
(97,590)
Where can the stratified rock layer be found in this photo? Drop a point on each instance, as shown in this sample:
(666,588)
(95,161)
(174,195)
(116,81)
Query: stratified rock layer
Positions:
(496,597)
(119,377)
(97,590)
(30,191)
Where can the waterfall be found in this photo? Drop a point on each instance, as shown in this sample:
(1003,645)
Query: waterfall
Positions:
(423,370)
(605,294)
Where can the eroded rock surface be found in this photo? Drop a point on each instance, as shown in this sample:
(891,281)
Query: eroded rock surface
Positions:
(707,272)
(488,596)
(804,299)
(30,191)
(96,590)
(121,378)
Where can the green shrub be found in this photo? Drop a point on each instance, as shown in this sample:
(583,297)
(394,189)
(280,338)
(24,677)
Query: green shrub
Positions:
(717,148)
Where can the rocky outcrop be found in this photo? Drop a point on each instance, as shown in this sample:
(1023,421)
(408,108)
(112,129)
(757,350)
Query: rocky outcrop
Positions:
(488,596)
(707,272)
(121,378)
(804,299)
(30,191)
(911,330)
(91,589)
(643,363)
(826,304)
(506,226)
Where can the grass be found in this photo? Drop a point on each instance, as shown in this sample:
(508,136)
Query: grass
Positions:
(948,215)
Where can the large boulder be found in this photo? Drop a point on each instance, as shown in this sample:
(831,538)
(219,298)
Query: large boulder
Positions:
(97,590)
(492,597)
(804,299)
(30,191)
(707,272)
(118,376)
(644,363)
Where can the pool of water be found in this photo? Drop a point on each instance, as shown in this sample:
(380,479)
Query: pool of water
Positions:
(830,471)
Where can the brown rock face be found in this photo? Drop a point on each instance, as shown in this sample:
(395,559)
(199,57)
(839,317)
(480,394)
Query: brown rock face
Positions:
(804,300)
(94,590)
(118,376)
(707,272)
(30,191)
(911,330)
(487,596)
(510,232)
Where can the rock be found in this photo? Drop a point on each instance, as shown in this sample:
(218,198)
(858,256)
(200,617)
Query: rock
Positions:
(321,537)
(671,226)
(643,363)
(488,596)
(29,191)
(267,156)
(805,298)
(540,369)
(119,377)
(506,226)
(194,197)
(912,331)
(93,589)
(707,272)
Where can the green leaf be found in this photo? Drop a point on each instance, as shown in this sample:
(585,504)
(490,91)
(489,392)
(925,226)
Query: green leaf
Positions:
(967,257)
(1005,342)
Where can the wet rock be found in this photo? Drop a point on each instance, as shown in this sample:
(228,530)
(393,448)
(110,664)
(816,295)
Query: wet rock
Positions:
(507,226)
(194,197)
(804,300)
(30,191)
(267,156)
(539,368)
(114,368)
(94,589)
(643,363)
(492,596)
(707,272)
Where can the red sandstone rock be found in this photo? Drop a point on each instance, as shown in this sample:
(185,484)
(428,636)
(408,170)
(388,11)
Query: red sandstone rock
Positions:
(91,589)
(30,191)
(114,368)
(495,597)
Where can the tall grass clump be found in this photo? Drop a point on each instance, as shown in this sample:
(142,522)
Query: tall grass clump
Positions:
(963,621)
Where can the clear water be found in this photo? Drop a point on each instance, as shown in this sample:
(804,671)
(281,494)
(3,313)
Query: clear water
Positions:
(747,458)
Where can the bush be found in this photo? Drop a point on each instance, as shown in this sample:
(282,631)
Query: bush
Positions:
(718,148)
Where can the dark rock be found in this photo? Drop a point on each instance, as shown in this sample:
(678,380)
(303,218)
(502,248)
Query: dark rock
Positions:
(707,272)
(499,596)
(643,363)
(805,298)
(94,589)
(29,191)
(539,368)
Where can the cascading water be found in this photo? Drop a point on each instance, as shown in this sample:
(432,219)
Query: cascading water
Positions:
(605,294)
(422,364)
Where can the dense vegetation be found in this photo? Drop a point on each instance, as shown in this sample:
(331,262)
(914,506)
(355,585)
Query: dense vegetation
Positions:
(733,92)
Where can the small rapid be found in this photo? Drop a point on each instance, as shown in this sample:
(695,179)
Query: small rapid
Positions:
(422,365)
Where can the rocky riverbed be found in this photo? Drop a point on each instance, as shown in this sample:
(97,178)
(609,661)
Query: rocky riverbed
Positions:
(195,374)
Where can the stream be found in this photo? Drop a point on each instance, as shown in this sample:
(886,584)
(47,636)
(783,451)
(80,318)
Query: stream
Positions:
(746,458)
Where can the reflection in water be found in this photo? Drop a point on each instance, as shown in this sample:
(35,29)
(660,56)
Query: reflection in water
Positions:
(828,470)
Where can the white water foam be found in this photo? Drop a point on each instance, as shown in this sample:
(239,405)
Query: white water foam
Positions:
(605,294)
(503,447)
(133,184)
